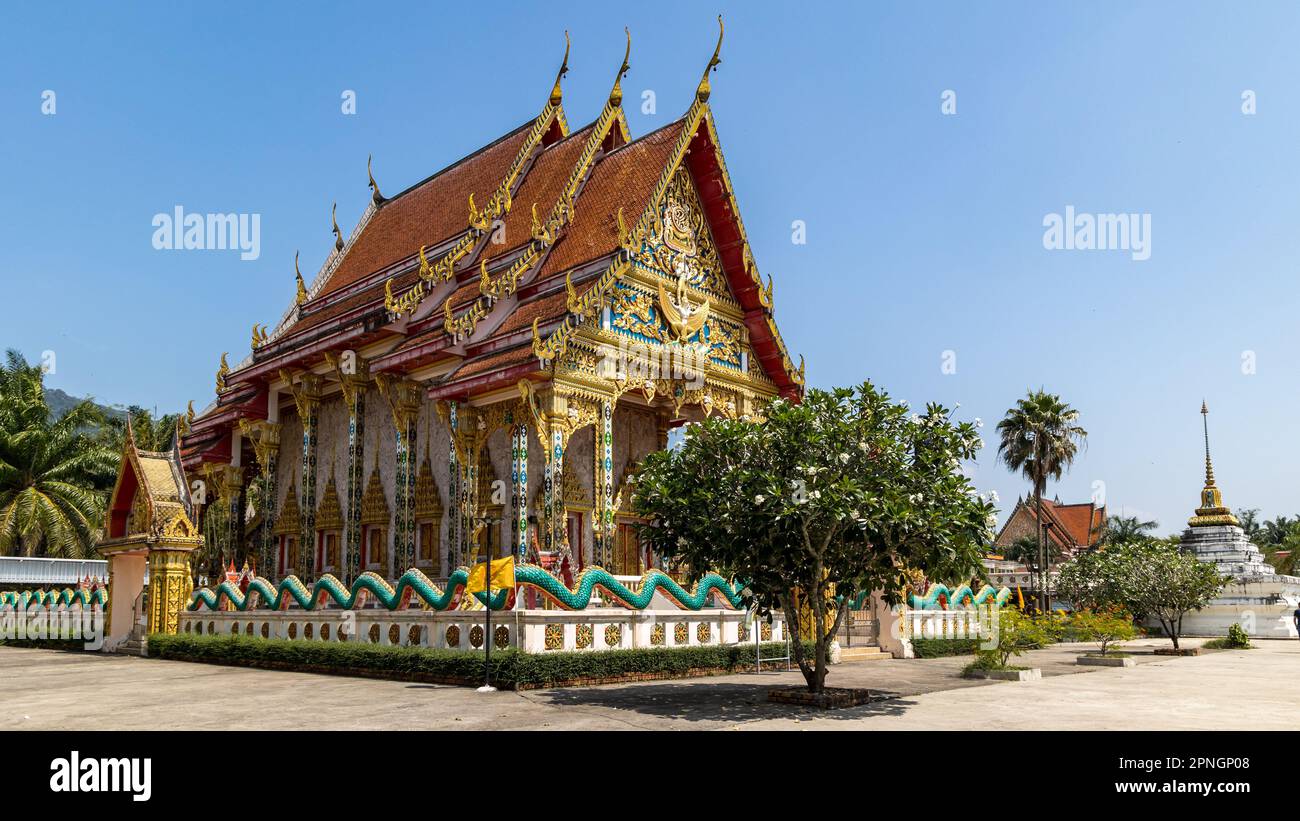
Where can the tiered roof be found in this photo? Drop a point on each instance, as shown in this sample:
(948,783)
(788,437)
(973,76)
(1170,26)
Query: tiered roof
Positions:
(467,269)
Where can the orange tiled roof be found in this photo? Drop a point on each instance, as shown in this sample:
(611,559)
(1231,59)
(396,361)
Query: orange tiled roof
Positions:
(625,177)
(427,213)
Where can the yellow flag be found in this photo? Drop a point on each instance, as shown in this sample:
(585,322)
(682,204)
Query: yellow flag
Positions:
(1020,596)
(503,575)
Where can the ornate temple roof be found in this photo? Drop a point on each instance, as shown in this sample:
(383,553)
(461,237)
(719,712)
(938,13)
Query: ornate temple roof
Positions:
(486,268)
(149,497)
(1069,526)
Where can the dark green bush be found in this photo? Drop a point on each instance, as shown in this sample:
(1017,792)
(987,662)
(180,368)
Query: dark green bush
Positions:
(938,648)
(1237,639)
(510,668)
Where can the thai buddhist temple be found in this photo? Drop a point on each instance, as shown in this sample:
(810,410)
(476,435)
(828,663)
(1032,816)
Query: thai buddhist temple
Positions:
(1072,528)
(482,362)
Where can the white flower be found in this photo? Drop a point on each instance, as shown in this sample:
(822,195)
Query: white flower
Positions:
(993,496)
(844,458)
(979,423)
(758,500)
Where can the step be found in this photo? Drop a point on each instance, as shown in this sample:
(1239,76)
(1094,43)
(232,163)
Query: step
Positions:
(863,654)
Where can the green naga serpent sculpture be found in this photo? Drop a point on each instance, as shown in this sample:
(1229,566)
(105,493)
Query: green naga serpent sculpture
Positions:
(962,596)
(24,599)
(414,583)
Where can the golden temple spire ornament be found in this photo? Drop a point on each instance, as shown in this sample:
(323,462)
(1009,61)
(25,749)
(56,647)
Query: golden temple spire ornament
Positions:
(375,197)
(703,90)
(338,235)
(1212,511)
(477,218)
(189,413)
(302,286)
(556,93)
(616,93)
(222,372)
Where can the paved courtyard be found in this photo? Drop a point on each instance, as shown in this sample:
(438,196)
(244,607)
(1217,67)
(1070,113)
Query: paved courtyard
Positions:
(1241,689)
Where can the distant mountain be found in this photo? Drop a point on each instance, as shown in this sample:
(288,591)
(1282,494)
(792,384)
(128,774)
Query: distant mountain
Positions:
(61,402)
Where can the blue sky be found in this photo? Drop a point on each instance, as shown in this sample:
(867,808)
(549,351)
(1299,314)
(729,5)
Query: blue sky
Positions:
(924,230)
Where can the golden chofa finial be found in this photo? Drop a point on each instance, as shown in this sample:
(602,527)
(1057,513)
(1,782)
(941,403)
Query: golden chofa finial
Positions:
(338,235)
(302,286)
(616,93)
(702,91)
(222,372)
(556,93)
(375,196)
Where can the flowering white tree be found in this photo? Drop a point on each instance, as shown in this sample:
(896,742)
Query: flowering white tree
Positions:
(839,494)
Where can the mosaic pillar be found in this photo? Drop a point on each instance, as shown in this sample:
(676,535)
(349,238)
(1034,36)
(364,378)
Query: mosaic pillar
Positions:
(230,496)
(519,475)
(354,378)
(468,506)
(265,437)
(453,491)
(306,397)
(356,486)
(404,399)
(555,512)
(603,504)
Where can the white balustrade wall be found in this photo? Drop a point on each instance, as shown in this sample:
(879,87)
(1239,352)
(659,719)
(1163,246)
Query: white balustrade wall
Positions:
(533,631)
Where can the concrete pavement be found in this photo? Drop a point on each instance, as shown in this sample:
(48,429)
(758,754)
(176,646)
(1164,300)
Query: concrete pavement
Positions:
(1246,689)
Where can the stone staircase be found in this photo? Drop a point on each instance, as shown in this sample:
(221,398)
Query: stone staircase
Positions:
(871,653)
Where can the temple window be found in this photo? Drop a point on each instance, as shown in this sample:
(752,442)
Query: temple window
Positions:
(288,555)
(627,551)
(375,518)
(427,543)
(428,518)
(329,551)
(329,529)
(286,530)
(376,549)
(491,513)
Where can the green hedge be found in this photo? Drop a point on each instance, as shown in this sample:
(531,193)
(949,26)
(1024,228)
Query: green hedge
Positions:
(510,668)
(938,648)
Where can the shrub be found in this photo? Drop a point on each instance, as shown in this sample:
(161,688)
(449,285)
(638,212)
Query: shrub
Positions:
(1016,633)
(938,648)
(510,668)
(1103,627)
(1237,639)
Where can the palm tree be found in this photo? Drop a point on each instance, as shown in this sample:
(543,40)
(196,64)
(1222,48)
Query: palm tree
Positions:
(1249,519)
(1274,531)
(1040,437)
(52,472)
(1026,551)
(150,433)
(1121,529)
(1287,564)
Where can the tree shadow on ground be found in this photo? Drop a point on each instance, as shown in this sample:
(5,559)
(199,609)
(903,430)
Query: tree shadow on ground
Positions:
(704,701)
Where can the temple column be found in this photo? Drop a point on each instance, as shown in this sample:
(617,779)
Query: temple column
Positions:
(306,397)
(519,494)
(170,586)
(557,520)
(403,399)
(265,437)
(354,378)
(603,487)
(230,490)
(452,421)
